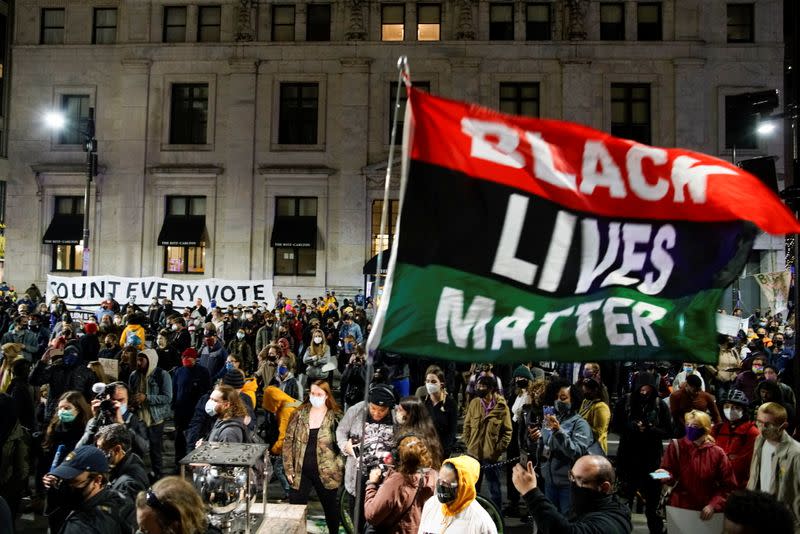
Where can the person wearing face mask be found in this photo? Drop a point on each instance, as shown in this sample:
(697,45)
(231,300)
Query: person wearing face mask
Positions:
(771,374)
(775,468)
(179,337)
(737,434)
(642,420)
(85,502)
(487,432)
(109,349)
(127,474)
(780,353)
(212,354)
(596,413)
(64,428)
(118,394)
(728,363)
(267,333)
(442,408)
(563,438)
(769,391)
(285,379)
(688,368)
(230,412)
(310,455)
(412,417)
(240,347)
(698,469)
(691,397)
(22,335)
(595,508)
(317,356)
(62,371)
(592,370)
(453,509)
(189,383)
(150,398)
(752,374)
(518,399)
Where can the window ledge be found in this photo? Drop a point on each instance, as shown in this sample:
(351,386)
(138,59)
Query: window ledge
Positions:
(283,170)
(276,147)
(187,169)
(64,168)
(187,148)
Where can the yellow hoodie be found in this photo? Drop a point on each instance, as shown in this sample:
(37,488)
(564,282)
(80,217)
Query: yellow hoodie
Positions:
(468,470)
(249,389)
(283,406)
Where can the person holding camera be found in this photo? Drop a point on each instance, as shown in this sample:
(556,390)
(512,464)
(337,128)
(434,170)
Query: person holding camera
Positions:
(309,454)
(354,379)
(396,505)
(110,407)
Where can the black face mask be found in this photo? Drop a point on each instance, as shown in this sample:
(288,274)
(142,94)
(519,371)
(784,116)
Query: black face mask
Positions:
(584,500)
(446,493)
(481,392)
(522,384)
(67,496)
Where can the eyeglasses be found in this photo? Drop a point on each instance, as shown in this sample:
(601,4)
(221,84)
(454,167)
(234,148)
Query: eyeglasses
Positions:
(153,502)
(762,424)
(580,482)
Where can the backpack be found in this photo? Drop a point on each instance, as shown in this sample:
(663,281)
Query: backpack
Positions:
(248,436)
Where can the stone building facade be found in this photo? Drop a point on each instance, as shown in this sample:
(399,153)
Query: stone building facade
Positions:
(231,131)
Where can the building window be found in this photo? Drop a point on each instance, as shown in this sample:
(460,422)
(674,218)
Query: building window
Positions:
(208,24)
(318,22)
(68,257)
(648,21)
(612,22)
(283,23)
(538,25)
(174,25)
(740,125)
(52,31)
(296,260)
(741,22)
(501,22)
(105,26)
(188,116)
(429,22)
(381,241)
(188,259)
(630,111)
(299,109)
(520,98)
(393,17)
(75,109)
(401,113)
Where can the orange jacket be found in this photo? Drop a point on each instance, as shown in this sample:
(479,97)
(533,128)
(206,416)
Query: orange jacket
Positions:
(283,406)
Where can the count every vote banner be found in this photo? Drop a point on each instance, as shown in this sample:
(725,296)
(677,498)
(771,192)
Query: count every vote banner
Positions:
(523,239)
(88,291)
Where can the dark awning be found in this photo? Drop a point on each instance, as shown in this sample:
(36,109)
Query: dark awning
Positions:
(295,232)
(372,264)
(64,230)
(182,230)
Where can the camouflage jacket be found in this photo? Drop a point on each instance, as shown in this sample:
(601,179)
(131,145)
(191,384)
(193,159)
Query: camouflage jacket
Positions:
(330,462)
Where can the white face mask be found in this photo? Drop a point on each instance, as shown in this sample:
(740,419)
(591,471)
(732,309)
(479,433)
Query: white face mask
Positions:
(317,402)
(433,388)
(162,342)
(174,326)
(211,408)
(318,340)
(732,414)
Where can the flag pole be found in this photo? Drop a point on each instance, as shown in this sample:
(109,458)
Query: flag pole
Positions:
(404,78)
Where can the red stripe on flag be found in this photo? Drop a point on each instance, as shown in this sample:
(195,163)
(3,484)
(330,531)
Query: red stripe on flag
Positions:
(588,170)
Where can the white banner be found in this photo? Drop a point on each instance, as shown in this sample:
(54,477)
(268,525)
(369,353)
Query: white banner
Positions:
(89,291)
(730,324)
(775,288)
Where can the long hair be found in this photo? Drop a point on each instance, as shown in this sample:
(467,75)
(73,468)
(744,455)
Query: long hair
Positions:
(313,348)
(702,419)
(77,399)
(179,499)
(330,402)
(419,422)
(552,390)
(414,455)
(230,395)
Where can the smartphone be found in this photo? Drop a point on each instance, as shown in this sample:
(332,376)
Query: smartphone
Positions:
(548,410)
(660,476)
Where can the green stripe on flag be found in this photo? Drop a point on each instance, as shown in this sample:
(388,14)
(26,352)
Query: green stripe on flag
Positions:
(445,313)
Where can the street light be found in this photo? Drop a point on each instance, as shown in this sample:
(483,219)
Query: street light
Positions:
(56,121)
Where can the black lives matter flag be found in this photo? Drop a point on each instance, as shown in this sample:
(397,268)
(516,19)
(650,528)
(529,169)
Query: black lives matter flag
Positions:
(523,239)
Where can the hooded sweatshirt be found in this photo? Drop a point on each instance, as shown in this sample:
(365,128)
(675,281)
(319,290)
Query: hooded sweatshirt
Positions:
(464,515)
(156,386)
(12,352)
(283,406)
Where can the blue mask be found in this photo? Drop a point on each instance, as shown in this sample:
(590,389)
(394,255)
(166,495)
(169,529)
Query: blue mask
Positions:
(228,366)
(282,370)
(70,359)
(123,409)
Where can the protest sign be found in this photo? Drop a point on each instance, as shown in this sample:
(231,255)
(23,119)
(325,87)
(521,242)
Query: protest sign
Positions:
(525,239)
(89,291)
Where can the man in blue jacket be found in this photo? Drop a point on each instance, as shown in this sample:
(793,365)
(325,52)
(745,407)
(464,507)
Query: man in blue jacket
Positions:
(151,398)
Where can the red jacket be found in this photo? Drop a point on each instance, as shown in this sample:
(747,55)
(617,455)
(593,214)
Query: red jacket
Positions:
(704,475)
(737,442)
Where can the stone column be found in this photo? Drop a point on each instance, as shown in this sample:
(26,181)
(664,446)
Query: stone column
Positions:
(577,80)
(466,79)
(692,91)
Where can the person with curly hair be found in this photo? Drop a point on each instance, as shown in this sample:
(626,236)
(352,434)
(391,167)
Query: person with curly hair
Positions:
(172,506)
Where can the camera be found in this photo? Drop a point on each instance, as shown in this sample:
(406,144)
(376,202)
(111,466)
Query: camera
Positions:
(108,412)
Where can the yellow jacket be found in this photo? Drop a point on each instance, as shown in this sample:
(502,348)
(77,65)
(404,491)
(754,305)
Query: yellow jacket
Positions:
(249,389)
(598,415)
(283,406)
(133,329)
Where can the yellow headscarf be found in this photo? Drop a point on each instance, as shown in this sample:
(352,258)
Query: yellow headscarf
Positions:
(468,470)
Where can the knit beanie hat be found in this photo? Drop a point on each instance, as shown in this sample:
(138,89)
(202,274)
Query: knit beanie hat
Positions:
(234,379)
(524,372)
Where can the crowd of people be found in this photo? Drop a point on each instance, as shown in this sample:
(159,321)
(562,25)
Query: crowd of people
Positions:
(399,444)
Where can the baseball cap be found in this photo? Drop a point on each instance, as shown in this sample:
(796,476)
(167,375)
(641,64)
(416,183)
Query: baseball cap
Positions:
(86,458)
